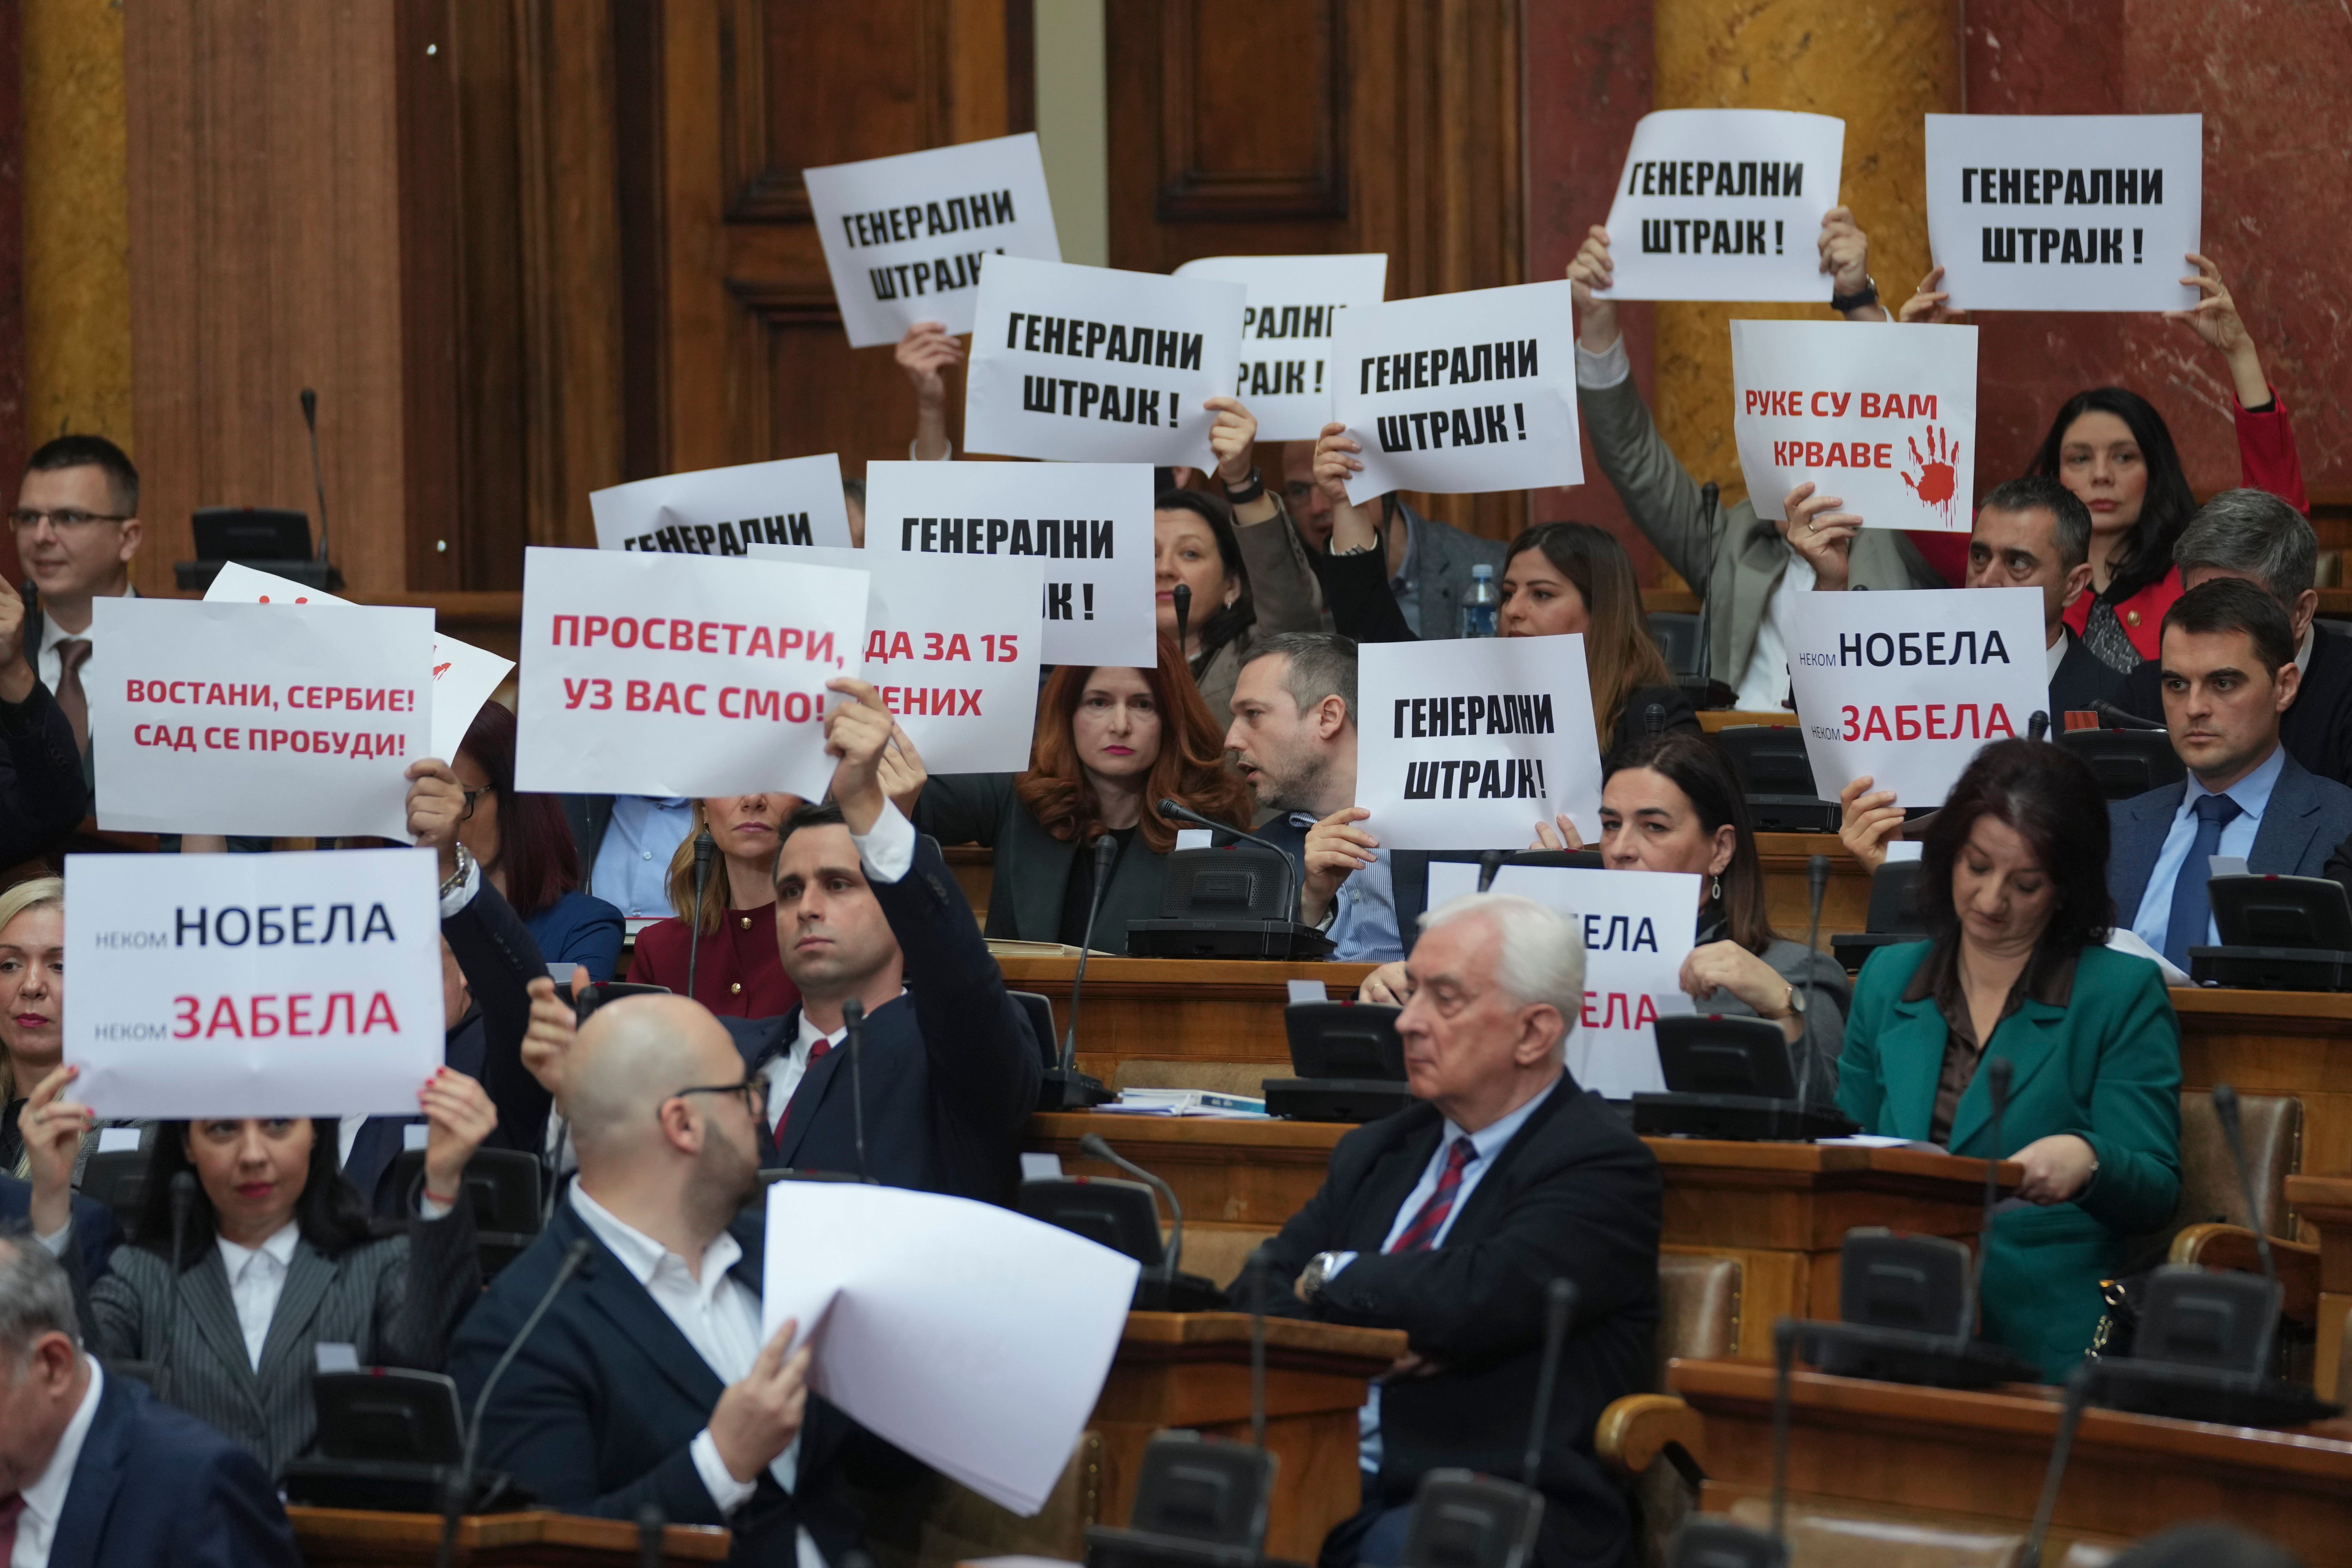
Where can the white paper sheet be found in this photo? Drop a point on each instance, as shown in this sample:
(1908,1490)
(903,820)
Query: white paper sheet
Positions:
(2123,939)
(725,511)
(974,1338)
(1725,203)
(1295,304)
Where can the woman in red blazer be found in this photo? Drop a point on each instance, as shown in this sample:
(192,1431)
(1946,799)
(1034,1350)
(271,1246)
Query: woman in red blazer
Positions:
(738,972)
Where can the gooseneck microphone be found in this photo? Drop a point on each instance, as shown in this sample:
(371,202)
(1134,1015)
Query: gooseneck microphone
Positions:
(183,1201)
(1183,600)
(459,1490)
(1997,1079)
(651,1523)
(853,1022)
(2123,719)
(1560,1306)
(2037,727)
(1093,1147)
(1489,863)
(317,475)
(702,848)
(1106,850)
(1817,873)
(1254,1274)
(1184,813)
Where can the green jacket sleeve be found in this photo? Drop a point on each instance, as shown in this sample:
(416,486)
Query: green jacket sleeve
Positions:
(2135,1127)
(964,808)
(1860,1095)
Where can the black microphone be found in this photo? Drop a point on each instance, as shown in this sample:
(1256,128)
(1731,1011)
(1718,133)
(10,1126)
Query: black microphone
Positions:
(1093,1147)
(2123,720)
(1997,1077)
(183,1200)
(1183,599)
(1560,1305)
(1708,495)
(317,475)
(651,1523)
(853,1022)
(1106,850)
(702,848)
(1253,1277)
(2037,727)
(455,1497)
(1653,720)
(1817,872)
(2078,1394)
(1184,813)
(1489,863)
(1784,1356)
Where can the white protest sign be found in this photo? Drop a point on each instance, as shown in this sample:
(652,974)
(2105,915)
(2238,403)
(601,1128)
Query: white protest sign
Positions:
(1294,308)
(240,719)
(1461,393)
(1467,744)
(904,237)
(725,511)
(1637,926)
(1724,204)
(674,675)
(1089,524)
(1089,365)
(1884,420)
(2065,212)
(1906,687)
(304,984)
(974,1338)
(463,676)
(952,644)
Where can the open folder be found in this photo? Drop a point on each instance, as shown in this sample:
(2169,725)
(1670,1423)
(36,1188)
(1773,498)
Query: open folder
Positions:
(974,1338)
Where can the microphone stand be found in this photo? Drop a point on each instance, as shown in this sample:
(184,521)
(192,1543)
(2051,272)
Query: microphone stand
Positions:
(1093,1147)
(1183,600)
(1560,1305)
(1290,921)
(651,1523)
(852,1018)
(1997,1080)
(702,848)
(2123,720)
(183,1199)
(1064,1087)
(1489,863)
(1817,872)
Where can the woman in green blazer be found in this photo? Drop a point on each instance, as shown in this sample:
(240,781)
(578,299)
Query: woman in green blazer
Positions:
(2015,891)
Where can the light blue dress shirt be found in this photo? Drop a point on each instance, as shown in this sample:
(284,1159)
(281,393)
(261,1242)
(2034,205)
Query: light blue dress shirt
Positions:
(2253,794)
(632,870)
(1363,927)
(1489,1141)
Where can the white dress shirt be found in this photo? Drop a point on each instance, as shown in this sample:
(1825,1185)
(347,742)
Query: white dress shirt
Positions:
(50,666)
(257,1278)
(44,1499)
(719,1317)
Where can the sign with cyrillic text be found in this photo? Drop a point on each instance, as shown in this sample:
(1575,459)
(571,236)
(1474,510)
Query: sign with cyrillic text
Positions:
(2065,212)
(726,511)
(240,719)
(1637,926)
(952,645)
(676,675)
(904,237)
(1725,203)
(1887,422)
(303,984)
(1088,525)
(1089,365)
(1294,304)
(1468,743)
(1461,393)
(1906,687)
(463,676)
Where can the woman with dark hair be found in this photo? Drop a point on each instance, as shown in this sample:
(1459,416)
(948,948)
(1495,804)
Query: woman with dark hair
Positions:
(2015,887)
(1248,581)
(524,846)
(280,1257)
(1111,743)
(738,971)
(1557,579)
(1672,803)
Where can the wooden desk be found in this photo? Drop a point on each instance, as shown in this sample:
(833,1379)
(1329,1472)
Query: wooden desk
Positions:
(1782,1209)
(2277,1043)
(2322,1204)
(1177,1009)
(1885,1449)
(334,1537)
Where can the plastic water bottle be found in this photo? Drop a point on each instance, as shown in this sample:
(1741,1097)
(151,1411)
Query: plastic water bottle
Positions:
(1481,604)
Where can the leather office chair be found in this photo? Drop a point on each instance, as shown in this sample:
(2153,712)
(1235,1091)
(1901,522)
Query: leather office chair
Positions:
(1699,1303)
(2210,1222)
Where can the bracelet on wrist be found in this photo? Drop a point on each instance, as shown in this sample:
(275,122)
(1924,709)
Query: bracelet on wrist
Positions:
(1248,490)
(432,1197)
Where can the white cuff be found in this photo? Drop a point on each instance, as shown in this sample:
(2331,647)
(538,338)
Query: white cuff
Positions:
(431,1210)
(888,852)
(915,456)
(54,1244)
(1605,369)
(725,1490)
(1338,1262)
(454,902)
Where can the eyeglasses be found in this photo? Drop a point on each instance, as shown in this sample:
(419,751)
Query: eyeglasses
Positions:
(755,1091)
(471,796)
(65,519)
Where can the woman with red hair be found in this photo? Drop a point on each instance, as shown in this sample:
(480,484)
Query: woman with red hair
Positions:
(1111,742)
(524,847)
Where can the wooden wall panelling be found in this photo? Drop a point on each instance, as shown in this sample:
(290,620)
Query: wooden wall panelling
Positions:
(13,447)
(266,256)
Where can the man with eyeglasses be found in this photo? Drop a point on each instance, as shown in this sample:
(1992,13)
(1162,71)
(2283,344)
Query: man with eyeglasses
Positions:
(77,528)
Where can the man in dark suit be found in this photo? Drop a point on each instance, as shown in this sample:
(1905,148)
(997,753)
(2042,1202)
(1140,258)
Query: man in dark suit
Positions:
(95,1473)
(2035,533)
(2229,673)
(647,1380)
(95,1233)
(1451,1221)
(42,791)
(2253,534)
(867,908)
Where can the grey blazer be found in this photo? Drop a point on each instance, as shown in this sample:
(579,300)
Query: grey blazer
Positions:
(2308,816)
(1286,595)
(1736,571)
(1442,557)
(1831,995)
(397,1300)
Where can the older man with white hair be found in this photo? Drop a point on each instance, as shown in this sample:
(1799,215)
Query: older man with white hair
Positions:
(1451,1221)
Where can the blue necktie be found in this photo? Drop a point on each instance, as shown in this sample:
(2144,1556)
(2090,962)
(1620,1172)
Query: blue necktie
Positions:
(2192,911)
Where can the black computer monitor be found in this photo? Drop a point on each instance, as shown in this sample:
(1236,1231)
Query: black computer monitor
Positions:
(2282,912)
(1345,1039)
(1717,1053)
(252,534)
(1409,877)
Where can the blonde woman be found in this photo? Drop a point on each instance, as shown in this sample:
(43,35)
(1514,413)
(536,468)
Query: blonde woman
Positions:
(32,1002)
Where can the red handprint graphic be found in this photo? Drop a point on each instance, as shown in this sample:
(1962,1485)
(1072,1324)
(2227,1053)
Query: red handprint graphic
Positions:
(1934,486)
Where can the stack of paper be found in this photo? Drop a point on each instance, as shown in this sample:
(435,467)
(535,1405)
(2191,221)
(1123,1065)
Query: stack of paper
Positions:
(1184,1103)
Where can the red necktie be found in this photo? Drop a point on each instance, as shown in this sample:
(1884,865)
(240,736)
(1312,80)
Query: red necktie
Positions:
(817,1054)
(10,1507)
(1422,1234)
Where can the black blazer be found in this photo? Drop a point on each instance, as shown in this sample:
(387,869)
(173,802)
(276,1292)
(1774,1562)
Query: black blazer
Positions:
(951,1067)
(500,960)
(95,1233)
(587,816)
(1574,1193)
(2317,730)
(43,790)
(2084,678)
(1031,882)
(194,1500)
(597,1411)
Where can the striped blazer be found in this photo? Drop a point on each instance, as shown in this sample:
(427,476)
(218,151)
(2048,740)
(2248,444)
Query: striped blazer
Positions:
(397,1300)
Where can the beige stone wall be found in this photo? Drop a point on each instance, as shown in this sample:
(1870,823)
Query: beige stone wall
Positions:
(77,221)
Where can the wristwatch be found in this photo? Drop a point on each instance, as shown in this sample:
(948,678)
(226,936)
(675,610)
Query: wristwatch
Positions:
(1248,490)
(1845,303)
(1796,1000)
(1319,1269)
